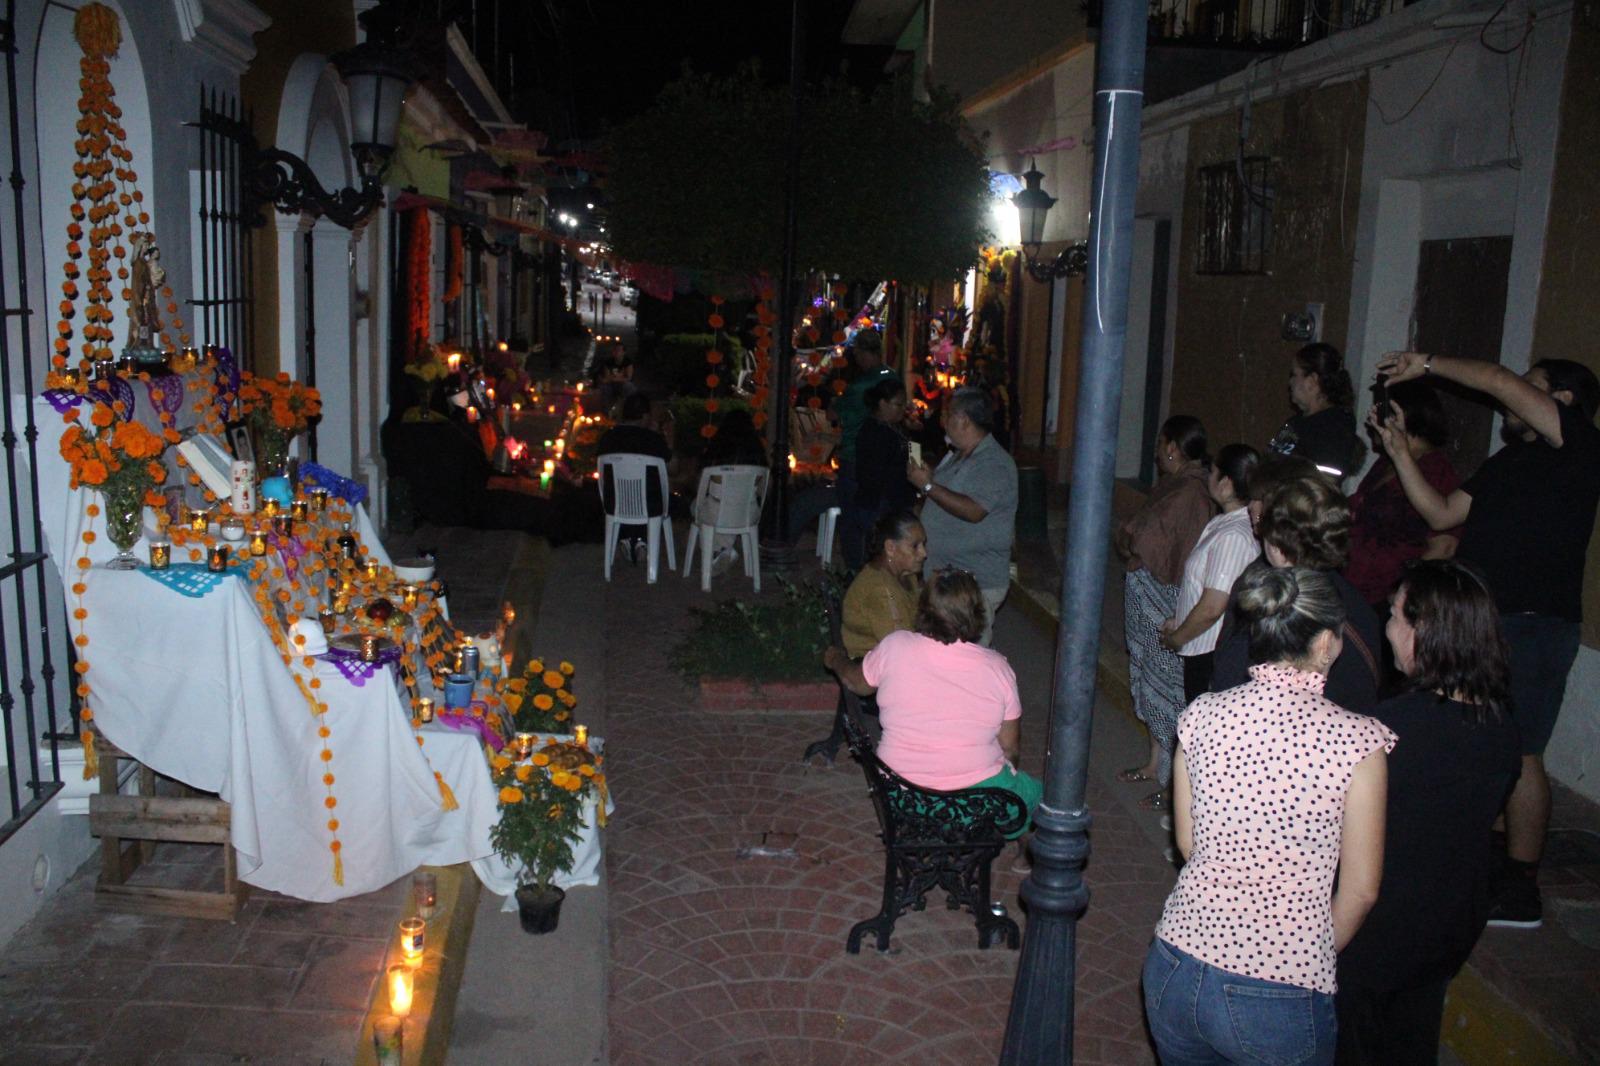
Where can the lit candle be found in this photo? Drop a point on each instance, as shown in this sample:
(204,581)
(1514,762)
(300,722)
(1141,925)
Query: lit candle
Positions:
(581,735)
(299,509)
(471,657)
(258,544)
(326,619)
(217,562)
(319,499)
(472,415)
(388,1041)
(425,887)
(369,648)
(412,932)
(401,989)
(524,745)
(270,508)
(409,600)
(198,520)
(454,361)
(372,568)
(491,394)
(425,710)
(160,555)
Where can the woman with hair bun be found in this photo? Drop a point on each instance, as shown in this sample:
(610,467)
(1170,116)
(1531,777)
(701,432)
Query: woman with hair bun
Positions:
(1458,756)
(1153,544)
(1274,788)
(1324,428)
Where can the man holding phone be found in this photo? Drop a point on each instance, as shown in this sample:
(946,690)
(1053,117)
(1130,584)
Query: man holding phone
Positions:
(1526,518)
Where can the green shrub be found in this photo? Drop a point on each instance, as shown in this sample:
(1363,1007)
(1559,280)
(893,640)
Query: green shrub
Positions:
(689,414)
(768,640)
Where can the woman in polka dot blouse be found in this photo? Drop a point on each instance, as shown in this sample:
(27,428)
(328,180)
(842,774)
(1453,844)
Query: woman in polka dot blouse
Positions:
(1274,789)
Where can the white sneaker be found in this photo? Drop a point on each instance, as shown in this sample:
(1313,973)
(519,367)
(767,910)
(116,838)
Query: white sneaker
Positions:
(723,561)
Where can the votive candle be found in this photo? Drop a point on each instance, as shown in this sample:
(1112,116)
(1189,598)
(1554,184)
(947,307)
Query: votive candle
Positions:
(412,934)
(217,562)
(258,544)
(402,987)
(524,745)
(369,648)
(372,568)
(327,618)
(160,555)
(425,709)
(425,887)
(581,736)
(299,509)
(198,520)
(388,1041)
(319,499)
(409,600)
(269,508)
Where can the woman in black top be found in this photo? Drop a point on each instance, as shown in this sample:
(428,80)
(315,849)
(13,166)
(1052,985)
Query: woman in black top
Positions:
(882,452)
(1449,774)
(1324,430)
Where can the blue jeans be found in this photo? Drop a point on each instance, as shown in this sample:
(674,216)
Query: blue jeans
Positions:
(1200,1015)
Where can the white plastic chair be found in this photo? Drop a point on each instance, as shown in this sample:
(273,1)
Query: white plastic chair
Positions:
(827,522)
(630,497)
(729,500)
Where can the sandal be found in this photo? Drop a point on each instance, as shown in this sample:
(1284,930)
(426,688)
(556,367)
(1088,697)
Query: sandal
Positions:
(1133,775)
(1156,801)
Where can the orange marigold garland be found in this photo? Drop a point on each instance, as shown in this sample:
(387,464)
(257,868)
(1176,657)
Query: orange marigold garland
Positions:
(714,358)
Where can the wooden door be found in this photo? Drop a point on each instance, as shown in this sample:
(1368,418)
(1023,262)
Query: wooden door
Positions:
(1459,310)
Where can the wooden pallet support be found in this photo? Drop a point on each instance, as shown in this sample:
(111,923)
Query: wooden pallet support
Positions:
(129,828)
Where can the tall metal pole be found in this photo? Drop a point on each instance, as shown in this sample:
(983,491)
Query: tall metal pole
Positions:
(1039,1029)
(777,548)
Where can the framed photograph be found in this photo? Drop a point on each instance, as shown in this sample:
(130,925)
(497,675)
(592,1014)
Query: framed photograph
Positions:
(239,442)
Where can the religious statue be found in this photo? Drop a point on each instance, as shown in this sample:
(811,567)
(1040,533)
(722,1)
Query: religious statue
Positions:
(144,306)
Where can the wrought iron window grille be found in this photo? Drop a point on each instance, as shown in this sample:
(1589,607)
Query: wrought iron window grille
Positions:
(1236,201)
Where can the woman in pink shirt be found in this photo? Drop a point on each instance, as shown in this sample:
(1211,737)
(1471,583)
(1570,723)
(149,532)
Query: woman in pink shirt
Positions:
(1275,788)
(948,706)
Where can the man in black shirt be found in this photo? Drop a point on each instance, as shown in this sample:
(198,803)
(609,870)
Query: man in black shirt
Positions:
(1527,515)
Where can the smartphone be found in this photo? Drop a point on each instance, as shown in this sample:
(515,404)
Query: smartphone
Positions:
(1380,399)
(916,452)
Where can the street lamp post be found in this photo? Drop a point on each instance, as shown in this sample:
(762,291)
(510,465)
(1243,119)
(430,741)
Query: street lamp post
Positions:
(1040,1026)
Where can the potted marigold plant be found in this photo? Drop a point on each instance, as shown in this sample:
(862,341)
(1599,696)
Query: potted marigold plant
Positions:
(121,461)
(541,700)
(278,410)
(541,808)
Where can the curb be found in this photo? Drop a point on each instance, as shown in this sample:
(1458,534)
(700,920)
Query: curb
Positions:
(438,978)
(1111,674)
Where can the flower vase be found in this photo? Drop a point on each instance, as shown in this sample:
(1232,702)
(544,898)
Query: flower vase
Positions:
(539,908)
(274,457)
(124,525)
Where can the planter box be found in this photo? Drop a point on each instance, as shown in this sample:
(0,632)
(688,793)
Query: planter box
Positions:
(724,695)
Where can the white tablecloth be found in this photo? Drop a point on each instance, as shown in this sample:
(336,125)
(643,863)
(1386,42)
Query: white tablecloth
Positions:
(195,689)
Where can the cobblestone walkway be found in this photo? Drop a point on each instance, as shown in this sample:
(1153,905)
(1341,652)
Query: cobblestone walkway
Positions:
(718,959)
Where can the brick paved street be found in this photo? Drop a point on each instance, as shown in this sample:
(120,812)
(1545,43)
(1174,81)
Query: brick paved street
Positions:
(723,960)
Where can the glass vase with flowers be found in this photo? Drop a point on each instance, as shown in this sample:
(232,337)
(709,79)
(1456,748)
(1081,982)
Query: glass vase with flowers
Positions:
(278,410)
(121,460)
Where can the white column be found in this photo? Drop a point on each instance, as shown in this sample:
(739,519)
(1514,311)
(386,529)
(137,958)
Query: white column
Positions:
(336,375)
(290,230)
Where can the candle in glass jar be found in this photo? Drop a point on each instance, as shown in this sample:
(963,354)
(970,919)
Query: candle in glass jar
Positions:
(258,544)
(198,520)
(409,597)
(217,562)
(523,744)
(425,887)
(412,932)
(581,735)
(270,507)
(299,509)
(372,568)
(327,619)
(160,555)
(425,710)
(369,648)
(388,1041)
(319,499)
(471,658)
(402,987)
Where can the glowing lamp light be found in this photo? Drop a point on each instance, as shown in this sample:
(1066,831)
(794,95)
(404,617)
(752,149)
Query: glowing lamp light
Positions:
(402,988)
(792,461)
(491,395)
(453,360)
(515,448)
(472,414)
(503,346)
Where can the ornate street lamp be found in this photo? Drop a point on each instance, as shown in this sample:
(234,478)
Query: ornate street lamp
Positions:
(376,74)
(1032,205)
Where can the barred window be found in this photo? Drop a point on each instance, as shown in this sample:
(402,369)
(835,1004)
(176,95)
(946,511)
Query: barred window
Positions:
(1235,217)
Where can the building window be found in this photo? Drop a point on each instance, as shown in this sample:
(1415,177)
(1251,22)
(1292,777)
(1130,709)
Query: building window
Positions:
(1235,217)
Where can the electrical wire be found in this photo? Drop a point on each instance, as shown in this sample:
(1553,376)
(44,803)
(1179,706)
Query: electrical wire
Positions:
(1483,32)
(1387,121)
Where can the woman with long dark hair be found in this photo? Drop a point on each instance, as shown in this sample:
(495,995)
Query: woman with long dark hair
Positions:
(1457,758)
(1323,429)
(1274,788)
(1153,544)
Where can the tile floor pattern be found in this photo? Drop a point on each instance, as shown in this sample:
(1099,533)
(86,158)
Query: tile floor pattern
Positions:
(287,984)
(721,960)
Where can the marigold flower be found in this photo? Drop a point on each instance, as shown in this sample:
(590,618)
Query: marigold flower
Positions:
(552,679)
(543,702)
(539,758)
(500,763)
(524,772)
(509,795)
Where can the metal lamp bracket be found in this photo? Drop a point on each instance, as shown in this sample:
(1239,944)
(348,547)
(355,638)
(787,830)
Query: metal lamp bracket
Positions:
(1073,262)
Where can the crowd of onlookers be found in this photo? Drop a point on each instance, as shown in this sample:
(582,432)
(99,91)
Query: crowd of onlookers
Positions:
(1348,694)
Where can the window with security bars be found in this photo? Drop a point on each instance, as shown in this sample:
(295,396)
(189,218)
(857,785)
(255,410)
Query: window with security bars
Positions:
(1235,217)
